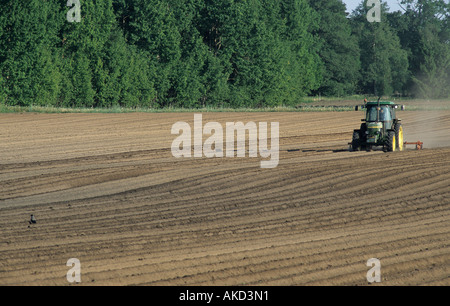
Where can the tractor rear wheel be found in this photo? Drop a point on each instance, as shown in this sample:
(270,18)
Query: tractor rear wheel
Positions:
(399,136)
(363,137)
(391,142)
(356,142)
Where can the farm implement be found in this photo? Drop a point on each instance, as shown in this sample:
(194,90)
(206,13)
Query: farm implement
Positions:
(419,145)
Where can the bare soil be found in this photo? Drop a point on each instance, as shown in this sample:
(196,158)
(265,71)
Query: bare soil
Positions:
(106,189)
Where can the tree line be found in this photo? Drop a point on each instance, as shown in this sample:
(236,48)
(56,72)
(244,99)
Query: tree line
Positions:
(218,53)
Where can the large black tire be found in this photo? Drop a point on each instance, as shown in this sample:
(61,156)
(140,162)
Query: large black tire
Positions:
(391,142)
(363,137)
(399,135)
(363,129)
(356,142)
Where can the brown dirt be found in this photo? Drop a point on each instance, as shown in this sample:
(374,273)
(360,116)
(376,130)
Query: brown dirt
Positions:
(105,189)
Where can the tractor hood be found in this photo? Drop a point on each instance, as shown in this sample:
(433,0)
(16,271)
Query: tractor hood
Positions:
(374,125)
(374,131)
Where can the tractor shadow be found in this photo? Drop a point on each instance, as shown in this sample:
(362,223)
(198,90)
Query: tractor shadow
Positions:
(317,150)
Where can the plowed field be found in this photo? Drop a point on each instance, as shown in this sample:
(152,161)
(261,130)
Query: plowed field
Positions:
(105,189)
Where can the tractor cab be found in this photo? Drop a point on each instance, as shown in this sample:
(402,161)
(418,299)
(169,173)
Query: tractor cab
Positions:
(380,115)
(377,113)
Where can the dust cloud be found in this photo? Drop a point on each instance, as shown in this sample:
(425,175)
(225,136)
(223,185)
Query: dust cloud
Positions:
(429,127)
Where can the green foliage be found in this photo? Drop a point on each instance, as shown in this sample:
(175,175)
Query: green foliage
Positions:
(266,49)
(433,78)
(26,45)
(339,49)
(384,64)
(2,91)
(425,32)
(217,53)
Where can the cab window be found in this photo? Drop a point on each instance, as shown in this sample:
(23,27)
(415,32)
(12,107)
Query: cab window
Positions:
(372,114)
(385,113)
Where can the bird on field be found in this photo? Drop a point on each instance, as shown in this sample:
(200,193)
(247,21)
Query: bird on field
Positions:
(32,220)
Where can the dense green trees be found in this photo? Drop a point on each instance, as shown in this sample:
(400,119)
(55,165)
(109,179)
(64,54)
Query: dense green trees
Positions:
(384,63)
(28,64)
(196,53)
(425,33)
(339,49)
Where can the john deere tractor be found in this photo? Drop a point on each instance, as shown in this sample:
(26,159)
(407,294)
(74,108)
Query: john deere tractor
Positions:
(379,128)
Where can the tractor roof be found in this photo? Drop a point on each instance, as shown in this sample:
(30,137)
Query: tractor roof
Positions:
(381,103)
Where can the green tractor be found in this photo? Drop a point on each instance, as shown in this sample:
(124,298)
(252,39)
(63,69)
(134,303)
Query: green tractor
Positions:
(381,127)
